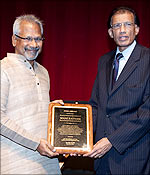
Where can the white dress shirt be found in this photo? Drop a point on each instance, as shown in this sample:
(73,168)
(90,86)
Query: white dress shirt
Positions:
(126,54)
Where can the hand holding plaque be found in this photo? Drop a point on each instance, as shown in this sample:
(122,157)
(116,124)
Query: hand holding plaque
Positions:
(70,128)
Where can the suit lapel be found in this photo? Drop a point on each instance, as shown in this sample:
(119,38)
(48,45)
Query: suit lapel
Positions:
(129,67)
(109,71)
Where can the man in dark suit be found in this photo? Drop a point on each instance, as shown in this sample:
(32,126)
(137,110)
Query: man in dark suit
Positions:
(121,101)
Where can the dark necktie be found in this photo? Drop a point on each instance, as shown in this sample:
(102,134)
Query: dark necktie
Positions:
(116,67)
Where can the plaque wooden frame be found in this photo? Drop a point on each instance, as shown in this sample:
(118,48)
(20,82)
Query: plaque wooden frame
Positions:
(52,129)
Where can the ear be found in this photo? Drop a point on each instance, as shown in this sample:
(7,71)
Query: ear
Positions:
(14,40)
(137,29)
(110,32)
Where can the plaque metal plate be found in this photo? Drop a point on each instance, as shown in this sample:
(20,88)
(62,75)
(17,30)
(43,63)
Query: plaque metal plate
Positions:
(70,128)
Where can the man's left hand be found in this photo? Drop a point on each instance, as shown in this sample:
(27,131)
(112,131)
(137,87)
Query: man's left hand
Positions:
(58,101)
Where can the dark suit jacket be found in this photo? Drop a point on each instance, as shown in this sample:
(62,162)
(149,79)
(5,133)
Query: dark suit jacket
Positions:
(122,114)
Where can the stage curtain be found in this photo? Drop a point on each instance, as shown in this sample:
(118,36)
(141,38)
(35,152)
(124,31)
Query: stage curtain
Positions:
(76,36)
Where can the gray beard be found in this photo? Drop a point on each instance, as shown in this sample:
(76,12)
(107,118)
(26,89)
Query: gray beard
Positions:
(32,58)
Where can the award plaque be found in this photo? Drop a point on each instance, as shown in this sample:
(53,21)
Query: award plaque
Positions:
(70,128)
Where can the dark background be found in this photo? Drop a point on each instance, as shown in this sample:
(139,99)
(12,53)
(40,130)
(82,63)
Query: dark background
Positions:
(76,36)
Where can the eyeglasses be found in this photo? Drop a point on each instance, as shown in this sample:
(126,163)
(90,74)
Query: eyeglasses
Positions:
(30,39)
(126,24)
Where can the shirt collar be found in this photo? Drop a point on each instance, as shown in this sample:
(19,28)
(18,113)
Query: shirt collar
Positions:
(20,58)
(127,52)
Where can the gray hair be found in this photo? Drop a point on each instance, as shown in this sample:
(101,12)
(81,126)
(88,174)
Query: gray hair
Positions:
(29,18)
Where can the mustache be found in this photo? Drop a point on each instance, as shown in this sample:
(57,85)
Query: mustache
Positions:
(32,49)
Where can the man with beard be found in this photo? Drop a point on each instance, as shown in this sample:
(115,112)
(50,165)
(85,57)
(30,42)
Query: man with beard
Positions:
(121,101)
(25,89)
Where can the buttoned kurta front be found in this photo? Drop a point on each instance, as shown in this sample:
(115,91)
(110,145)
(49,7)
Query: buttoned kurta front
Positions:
(24,117)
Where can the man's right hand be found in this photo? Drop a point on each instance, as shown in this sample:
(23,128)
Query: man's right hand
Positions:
(45,149)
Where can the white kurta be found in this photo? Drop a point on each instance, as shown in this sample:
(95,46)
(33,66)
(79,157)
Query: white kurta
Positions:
(24,116)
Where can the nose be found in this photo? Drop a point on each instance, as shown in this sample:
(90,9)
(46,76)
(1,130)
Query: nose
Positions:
(33,43)
(122,28)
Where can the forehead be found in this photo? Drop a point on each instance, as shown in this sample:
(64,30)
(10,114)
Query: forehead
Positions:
(123,17)
(27,27)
